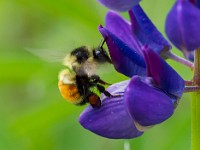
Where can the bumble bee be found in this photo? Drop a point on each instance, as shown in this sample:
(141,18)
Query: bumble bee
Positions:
(79,78)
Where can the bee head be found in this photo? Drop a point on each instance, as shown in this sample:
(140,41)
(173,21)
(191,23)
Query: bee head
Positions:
(81,54)
(100,55)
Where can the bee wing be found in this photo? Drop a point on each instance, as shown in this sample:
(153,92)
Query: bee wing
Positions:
(48,55)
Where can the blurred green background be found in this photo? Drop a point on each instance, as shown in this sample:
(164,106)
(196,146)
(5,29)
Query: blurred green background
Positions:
(32,112)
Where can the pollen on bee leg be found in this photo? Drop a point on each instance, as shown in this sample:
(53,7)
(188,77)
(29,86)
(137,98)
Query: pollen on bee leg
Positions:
(94,100)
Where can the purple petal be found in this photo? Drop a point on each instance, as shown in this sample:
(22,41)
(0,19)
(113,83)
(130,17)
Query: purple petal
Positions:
(165,77)
(111,120)
(198,3)
(122,29)
(146,104)
(125,59)
(195,2)
(119,5)
(146,32)
(182,25)
(117,88)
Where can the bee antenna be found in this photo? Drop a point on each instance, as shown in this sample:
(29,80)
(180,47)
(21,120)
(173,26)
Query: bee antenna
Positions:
(102,42)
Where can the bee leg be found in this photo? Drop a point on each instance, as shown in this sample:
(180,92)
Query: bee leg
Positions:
(83,102)
(94,100)
(97,79)
(102,90)
(104,83)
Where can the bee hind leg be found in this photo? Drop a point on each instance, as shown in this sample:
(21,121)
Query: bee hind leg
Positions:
(94,100)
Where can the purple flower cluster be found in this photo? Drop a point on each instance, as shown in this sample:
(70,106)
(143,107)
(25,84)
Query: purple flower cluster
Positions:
(140,102)
(182,26)
(138,50)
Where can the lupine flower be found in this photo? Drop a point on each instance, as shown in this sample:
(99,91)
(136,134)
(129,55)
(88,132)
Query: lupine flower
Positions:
(119,5)
(146,32)
(150,99)
(125,40)
(138,103)
(152,93)
(112,119)
(182,26)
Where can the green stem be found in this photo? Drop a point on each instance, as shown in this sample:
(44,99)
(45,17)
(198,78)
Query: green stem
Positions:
(196,104)
(127,145)
(195,121)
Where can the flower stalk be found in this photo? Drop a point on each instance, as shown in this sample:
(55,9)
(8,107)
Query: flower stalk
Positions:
(196,104)
(180,60)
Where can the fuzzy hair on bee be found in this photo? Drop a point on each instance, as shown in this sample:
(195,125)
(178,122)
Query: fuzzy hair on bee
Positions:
(67,86)
(76,83)
(79,76)
(79,89)
(85,60)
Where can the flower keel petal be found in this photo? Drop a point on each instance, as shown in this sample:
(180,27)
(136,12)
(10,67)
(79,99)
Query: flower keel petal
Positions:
(111,120)
(146,104)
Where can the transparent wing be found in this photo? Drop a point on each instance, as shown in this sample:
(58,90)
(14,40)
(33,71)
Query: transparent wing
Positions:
(48,55)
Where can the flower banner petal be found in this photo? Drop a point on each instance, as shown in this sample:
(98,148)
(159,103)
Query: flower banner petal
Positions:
(182,26)
(125,59)
(122,29)
(119,5)
(146,31)
(165,77)
(146,104)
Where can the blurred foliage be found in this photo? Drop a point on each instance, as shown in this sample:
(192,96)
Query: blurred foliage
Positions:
(32,112)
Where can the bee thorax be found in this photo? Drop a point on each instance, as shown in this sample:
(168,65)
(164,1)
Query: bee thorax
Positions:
(87,68)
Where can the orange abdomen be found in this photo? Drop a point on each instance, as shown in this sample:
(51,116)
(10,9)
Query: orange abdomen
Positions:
(70,92)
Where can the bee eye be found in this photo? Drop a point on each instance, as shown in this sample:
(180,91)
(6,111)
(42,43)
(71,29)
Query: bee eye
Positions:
(101,55)
(97,52)
(81,54)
